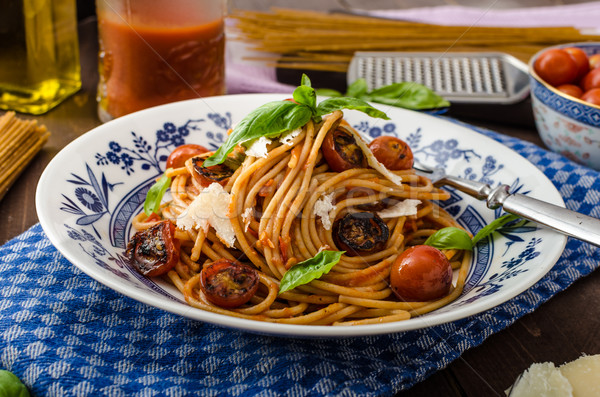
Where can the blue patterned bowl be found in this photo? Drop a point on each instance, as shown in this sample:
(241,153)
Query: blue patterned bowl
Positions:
(567,125)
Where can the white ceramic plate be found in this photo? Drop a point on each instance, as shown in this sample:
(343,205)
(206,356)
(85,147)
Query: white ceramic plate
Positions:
(90,191)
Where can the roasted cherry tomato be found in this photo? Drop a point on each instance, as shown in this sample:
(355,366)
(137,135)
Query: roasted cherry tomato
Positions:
(154,251)
(571,89)
(219,173)
(592,96)
(581,60)
(374,206)
(556,67)
(360,233)
(421,273)
(591,80)
(229,284)
(341,151)
(181,153)
(392,152)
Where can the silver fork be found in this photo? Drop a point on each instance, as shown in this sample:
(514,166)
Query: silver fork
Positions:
(562,220)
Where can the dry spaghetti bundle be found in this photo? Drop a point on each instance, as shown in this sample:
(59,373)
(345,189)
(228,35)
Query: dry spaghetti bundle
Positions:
(20,141)
(310,40)
(278,209)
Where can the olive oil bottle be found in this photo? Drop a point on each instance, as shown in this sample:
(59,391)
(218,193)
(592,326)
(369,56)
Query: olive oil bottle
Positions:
(39,54)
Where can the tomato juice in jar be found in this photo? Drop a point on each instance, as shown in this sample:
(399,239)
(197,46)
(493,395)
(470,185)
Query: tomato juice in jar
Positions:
(154,52)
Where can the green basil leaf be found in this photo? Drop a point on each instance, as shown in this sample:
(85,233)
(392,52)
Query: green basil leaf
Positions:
(305,81)
(450,238)
(407,95)
(309,270)
(155,195)
(493,226)
(305,95)
(11,385)
(332,104)
(268,120)
(327,92)
(357,89)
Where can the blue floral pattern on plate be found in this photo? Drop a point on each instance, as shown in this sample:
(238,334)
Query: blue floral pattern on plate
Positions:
(104,186)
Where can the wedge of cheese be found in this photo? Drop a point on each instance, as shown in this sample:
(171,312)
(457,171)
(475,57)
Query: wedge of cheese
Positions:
(579,378)
(541,380)
(584,375)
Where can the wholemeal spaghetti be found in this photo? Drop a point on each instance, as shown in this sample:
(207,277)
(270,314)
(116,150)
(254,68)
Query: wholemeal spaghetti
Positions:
(20,141)
(312,40)
(281,209)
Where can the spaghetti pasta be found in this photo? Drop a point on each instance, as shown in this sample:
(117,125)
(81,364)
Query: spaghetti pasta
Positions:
(283,210)
(311,40)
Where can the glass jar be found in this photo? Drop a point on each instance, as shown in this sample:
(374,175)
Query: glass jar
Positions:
(39,54)
(154,52)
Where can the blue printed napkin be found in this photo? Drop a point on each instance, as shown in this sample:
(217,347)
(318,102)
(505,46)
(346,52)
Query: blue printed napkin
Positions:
(65,334)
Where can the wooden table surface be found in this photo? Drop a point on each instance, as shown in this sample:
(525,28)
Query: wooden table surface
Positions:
(560,330)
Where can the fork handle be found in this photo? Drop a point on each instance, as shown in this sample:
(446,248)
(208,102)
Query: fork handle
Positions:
(563,220)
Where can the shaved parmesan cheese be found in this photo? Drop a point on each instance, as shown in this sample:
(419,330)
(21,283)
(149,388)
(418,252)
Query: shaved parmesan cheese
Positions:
(287,137)
(373,162)
(210,208)
(258,148)
(247,217)
(403,208)
(323,206)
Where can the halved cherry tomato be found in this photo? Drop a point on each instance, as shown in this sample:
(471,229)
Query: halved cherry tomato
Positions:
(421,273)
(181,153)
(592,96)
(154,251)
(229,284)
(571,89)
(341,151)
(591,80)
(581,60)
(219,173)
(360,233)
(555,66)
(392,152)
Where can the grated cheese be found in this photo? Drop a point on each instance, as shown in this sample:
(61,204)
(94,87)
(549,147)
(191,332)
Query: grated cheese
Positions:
(258,148)
(323,206)
(210,208)
(403,208)
(247,217)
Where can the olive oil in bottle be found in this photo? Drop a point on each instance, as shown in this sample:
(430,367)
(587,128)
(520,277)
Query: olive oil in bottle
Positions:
(39,54)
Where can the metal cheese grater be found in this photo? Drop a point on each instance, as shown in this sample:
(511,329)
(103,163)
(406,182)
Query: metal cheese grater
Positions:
(461,77)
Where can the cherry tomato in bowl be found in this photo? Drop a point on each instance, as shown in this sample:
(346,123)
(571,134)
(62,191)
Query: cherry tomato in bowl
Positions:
(594,61)
(555,66)
(154,251)
(228,284)
(421,273)
(180,154)
(591,80)
(571,89)
(392,152)
(592,96)
(581,60)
